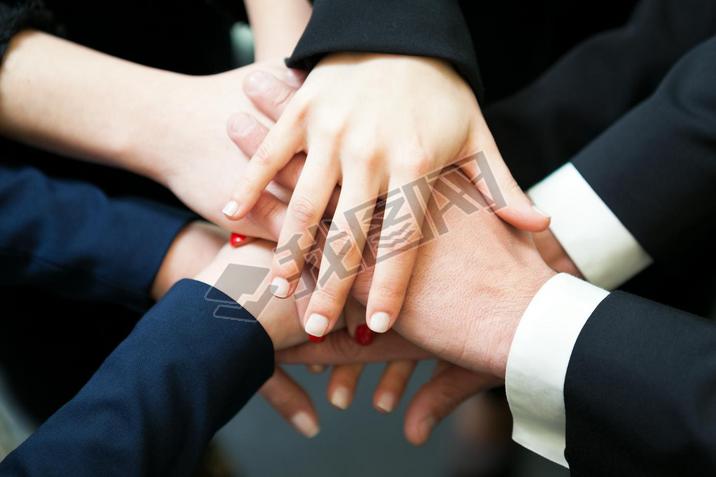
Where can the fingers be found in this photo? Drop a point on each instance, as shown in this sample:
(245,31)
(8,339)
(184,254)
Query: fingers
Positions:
(396,253)
(342,253)
(275,151)
(339,348)
(494,180)
(342,384)
(291,402)
(270,95)
(436,399)
(247,134)
(392,384)
(304,214)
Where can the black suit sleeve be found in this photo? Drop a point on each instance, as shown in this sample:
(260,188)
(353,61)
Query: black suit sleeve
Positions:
(433,28)
(656,167)
(68,237)
(592,86)
(640,392)
(158,399)
(16,15)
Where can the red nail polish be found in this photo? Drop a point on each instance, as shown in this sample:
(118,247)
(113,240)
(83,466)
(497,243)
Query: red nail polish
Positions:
(364,335)
(316,339)
(236,240)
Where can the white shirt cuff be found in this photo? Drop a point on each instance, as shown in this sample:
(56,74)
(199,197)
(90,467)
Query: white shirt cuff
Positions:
(538,360)
(601,247)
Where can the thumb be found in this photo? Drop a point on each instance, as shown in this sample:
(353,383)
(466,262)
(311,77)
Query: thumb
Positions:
(488,171)
(269,94)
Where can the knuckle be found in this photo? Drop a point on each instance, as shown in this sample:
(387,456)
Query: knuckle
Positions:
(304,210)
(343,244)
(387,296)
(344,346)
(262,156)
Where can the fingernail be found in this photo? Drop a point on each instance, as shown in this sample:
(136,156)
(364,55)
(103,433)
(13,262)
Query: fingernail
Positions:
(242,124)
(305,424)
(363,336)
(316,339)
(316,368)
(386,402)
(279,287)
(316,325)
(341,398)
(230,208)
(379,322)
(236,240)
(540,211)
(294,77)
(258,82)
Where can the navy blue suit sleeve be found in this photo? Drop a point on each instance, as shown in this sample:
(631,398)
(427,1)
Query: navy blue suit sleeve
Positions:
(157,400)
(70,238)
(432,28)
(640,392)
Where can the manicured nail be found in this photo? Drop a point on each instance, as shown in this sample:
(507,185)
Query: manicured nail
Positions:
(242,124)
(379,322)
(258,82)
(364,336)
(540,211)
(236,240)
(305,424)
(279,287)
(230,208)
(316,325)
(316,368)
(386,402)
(316,339)
(341,398)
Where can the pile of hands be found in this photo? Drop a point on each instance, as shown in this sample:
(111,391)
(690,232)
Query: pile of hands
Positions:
(358,132)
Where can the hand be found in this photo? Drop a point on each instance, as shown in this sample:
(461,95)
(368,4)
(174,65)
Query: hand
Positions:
(470,287)
(187,148)
(373,123)
(448,387)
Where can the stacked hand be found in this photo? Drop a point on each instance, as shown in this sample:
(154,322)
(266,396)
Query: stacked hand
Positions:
(436,320)
(376,125)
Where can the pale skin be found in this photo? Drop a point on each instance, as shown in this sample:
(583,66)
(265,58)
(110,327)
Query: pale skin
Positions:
(171,128)
(371,123)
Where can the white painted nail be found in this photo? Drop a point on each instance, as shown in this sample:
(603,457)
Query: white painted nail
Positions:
(379,322)
(316,368)
(386,402)
(316,325)
(230,208)
(540,211)
(305,424)
(279,287)
(341,398)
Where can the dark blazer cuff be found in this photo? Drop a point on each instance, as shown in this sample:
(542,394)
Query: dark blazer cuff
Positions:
(432,28)
(639,389)
(19,15)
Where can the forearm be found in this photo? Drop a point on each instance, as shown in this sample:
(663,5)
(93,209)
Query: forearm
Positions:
(277,25)
(159,397)
(69,99)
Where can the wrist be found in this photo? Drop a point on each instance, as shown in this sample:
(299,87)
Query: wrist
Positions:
(513,303)
(149,140)
(192,249)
